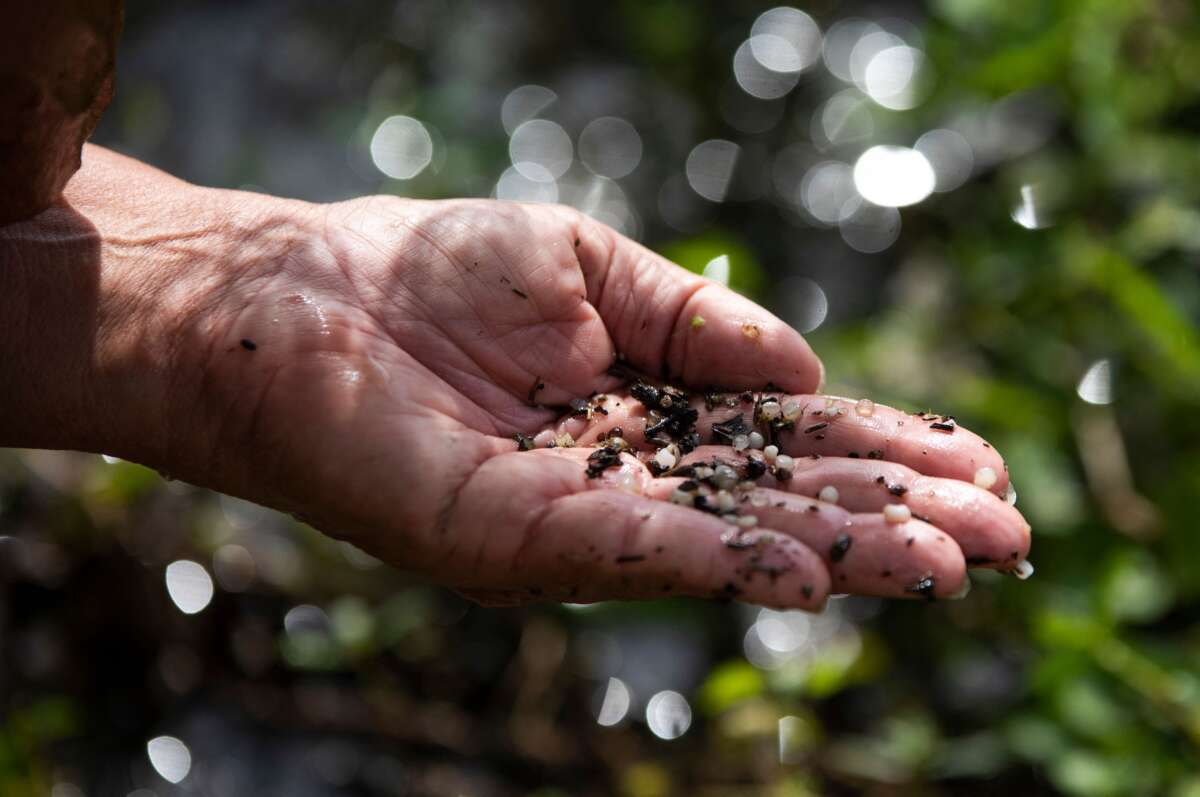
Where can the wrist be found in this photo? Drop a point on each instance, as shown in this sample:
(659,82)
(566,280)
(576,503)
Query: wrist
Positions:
(111,303)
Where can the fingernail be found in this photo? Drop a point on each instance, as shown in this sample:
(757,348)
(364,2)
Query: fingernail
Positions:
(963,591)
(1023,570)
(821,379)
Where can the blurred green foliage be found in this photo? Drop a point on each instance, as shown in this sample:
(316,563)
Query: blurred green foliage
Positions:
(1083,681)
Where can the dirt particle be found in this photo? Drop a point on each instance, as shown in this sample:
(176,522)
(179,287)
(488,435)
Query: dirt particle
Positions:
(923,587)
(537,385)
(248,344)
(841,546)
(520,293)
(629,559)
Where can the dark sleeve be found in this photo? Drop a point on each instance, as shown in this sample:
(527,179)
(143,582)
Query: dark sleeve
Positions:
(56,78)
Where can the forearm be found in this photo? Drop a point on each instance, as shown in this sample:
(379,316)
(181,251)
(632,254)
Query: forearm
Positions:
(101,300)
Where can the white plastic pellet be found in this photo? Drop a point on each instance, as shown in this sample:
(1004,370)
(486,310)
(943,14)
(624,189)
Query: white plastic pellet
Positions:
(725,477)
(770,452)
(627,480)
(1010,495)
(741,442)
(746,521)
(756,440)
(828,494)
(664,458)
(985,477)
(725,501)
(759,499)
(683,498)
(770,410)
(865,408)
(784,461)
(1023,570)
(791,410)
(897,513)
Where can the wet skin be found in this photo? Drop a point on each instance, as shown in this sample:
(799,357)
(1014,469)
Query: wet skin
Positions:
(365,365)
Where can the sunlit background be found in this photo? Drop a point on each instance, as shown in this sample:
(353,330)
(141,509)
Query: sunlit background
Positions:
(989,208)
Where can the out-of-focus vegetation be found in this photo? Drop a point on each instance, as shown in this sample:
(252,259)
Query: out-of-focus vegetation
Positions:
(1050,301)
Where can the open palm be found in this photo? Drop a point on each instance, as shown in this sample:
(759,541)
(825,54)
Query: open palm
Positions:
(372,380)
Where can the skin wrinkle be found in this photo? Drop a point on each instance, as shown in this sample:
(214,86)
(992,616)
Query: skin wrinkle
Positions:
(466,301)
(408,311)
(530,532)
(680,328)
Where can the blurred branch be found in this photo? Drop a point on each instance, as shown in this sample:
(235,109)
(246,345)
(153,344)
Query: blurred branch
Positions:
(1102,451)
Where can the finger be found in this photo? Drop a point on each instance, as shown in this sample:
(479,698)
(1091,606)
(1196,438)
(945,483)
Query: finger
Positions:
(866,554)
(821,425)
(667,320)
(553,531)
(989,531)
(931,444)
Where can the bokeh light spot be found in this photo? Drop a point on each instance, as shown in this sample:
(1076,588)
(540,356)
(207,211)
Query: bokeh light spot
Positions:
(615,703)
(785,39)
(893,176)
(524,103)
(717,269)
(710,167)
(540,145)
(950,155)
(170,758)
(1096,386)
(534,184)
(756,79)
(189,586)
(401,147)
(668,715)
(610,147)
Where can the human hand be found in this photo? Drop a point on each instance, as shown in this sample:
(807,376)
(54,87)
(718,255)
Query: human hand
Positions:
(365,365)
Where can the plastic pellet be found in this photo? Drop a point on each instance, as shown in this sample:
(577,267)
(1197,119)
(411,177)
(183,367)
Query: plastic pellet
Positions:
(770,452)
(627,481)
(725,477)
(865,408)
(828,494)
(741,442)
(1023,570)
(784,461)
(664,458)
(791,410)
(897,513)
(746,521)
(683,498)
(756,440)
(770,410)
(985,477)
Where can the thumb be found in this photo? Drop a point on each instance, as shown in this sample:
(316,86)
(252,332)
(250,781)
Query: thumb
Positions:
(667,320)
